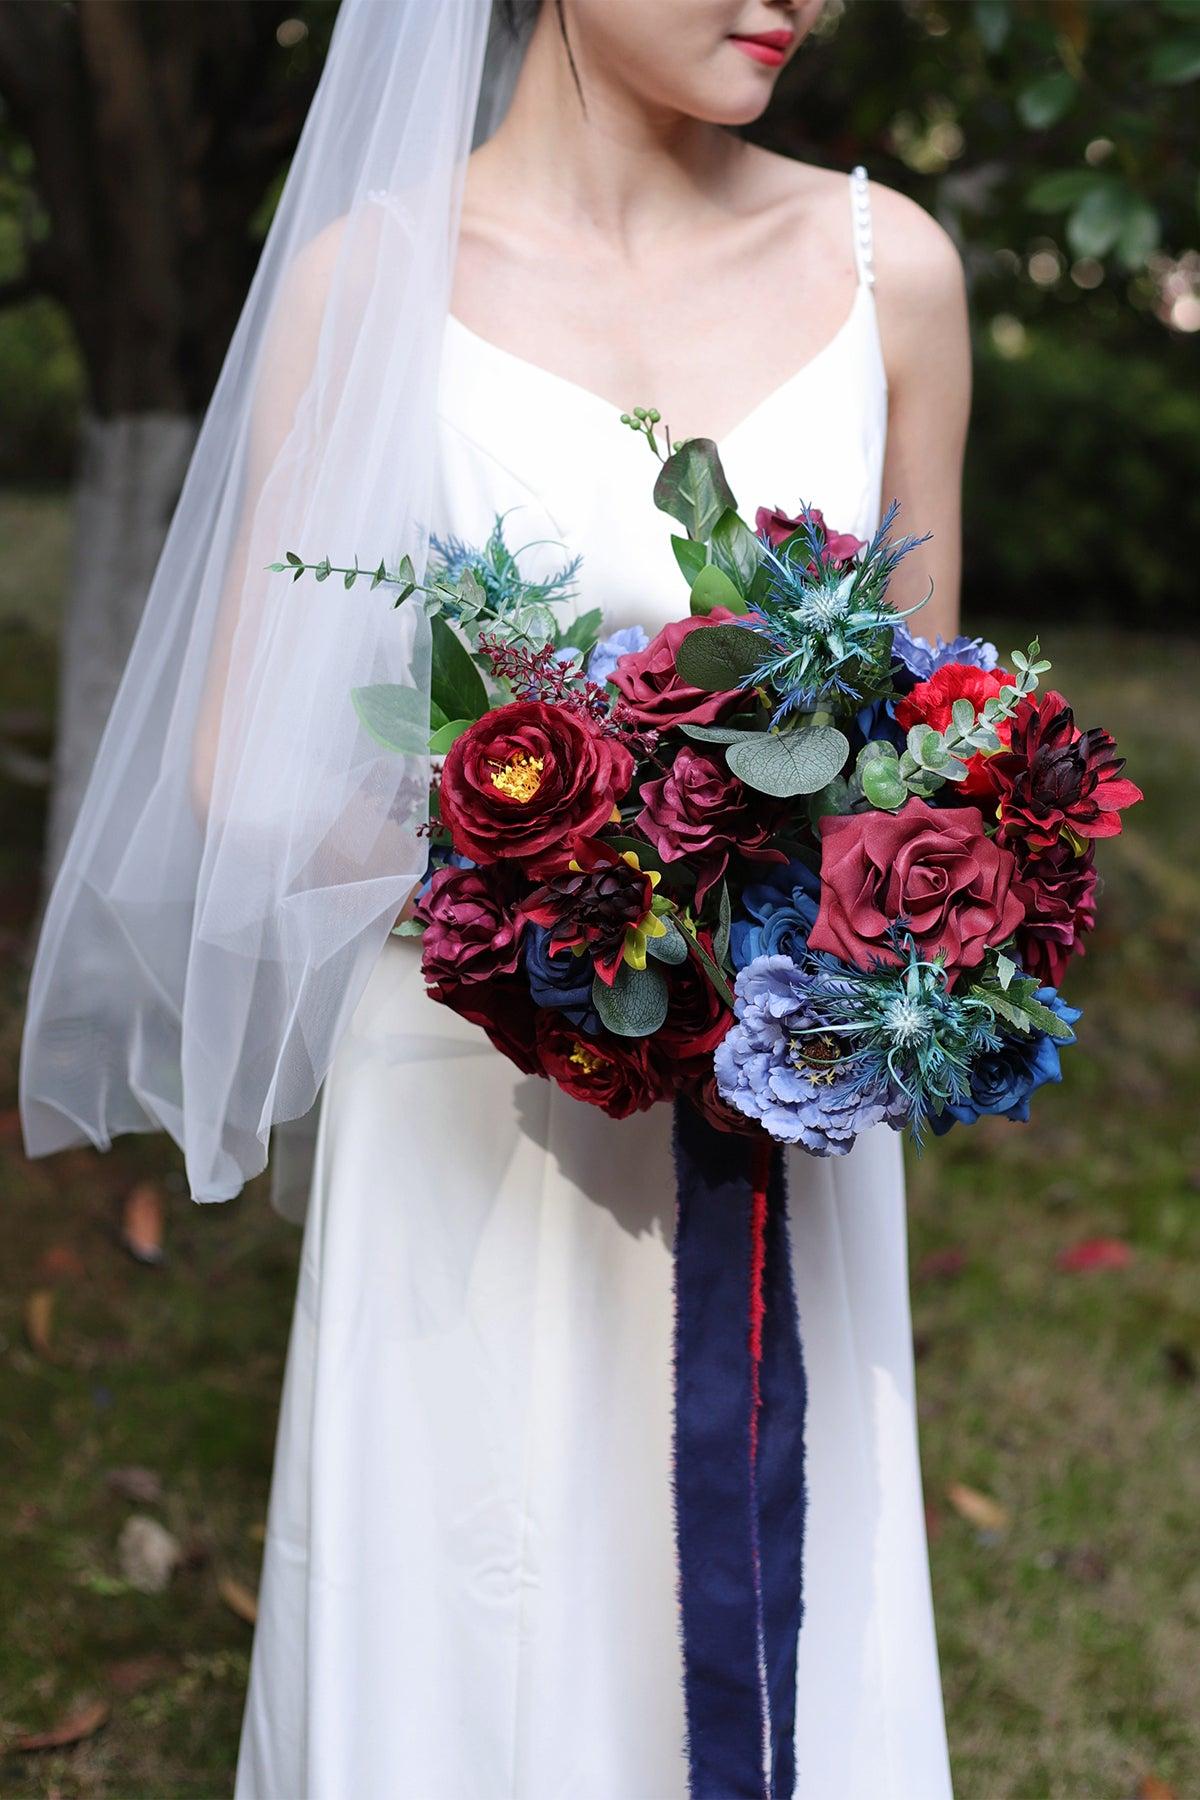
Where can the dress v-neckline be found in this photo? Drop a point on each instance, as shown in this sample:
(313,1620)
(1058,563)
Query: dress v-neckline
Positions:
(862,297)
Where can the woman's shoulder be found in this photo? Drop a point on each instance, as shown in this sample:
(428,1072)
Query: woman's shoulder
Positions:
(915,257)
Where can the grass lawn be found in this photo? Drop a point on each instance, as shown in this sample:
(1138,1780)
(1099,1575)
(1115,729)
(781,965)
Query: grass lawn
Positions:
(1068,1608)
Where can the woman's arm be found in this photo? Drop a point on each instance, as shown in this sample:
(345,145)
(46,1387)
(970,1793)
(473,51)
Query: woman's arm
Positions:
(922,308)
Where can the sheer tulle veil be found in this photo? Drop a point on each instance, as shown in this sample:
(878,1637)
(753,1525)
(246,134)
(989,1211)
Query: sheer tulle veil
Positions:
(245,845)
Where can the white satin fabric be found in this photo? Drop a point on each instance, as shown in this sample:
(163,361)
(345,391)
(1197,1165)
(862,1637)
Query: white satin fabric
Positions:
(469,1586)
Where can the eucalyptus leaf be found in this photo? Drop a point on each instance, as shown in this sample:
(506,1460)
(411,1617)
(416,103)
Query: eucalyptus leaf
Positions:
(669,949)
(882,785)
(787,763)
(724,923)
(691,486)
(963,714)
(455,682)
(718,734)
(719,657)
(636,1003)
(396,717)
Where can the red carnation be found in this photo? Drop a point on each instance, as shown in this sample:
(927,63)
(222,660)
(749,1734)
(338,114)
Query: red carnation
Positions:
(654,694)
(525,779)
(931,703)
(933,872)
(701,811)
(1056,781)
(839,547)
(615,1074)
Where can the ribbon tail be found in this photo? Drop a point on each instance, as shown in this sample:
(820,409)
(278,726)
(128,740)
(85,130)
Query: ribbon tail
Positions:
(739,1496)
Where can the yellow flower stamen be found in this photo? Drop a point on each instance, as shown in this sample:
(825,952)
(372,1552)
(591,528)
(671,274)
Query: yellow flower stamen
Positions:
(586,1059)
(520,777)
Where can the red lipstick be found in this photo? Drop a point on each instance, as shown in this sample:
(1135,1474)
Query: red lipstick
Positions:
(769,47)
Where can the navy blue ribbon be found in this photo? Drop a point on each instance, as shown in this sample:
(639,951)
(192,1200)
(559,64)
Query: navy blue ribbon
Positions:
(739,1462)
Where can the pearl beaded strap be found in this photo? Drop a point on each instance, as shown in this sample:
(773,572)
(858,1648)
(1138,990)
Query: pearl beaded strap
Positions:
(860,209)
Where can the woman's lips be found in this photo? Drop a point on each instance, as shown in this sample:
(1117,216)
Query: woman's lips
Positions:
(769,47)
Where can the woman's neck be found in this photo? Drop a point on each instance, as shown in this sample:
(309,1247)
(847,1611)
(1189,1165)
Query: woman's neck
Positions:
(624,168)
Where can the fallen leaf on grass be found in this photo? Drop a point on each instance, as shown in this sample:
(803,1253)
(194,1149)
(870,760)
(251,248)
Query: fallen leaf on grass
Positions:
(978,1509)
(238,1598)
(142,1223)
(131,1674)
(942,1265)
(71,1730)
(39,1321)
(1095,1253)
(143,1486)
(1151,1788)
(60,1262)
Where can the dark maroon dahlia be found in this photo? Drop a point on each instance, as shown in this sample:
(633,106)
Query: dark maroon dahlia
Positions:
(1057,888)
(593,905)
(1055,781)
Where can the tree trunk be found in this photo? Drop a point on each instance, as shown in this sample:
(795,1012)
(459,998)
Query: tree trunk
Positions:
(130,472)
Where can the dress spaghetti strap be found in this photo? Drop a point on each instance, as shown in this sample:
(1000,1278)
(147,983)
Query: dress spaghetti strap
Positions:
(860,214)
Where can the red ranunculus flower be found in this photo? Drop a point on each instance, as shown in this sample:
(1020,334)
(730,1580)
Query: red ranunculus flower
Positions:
(472,926)
(523,780)
(1058,890)
(654,694)
(776,526)
(701,811)
(1056,781)
(933,872)
(930,703)
(697,1019)
(615,1074)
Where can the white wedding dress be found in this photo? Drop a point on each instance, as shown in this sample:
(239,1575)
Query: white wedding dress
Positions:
(469,1585)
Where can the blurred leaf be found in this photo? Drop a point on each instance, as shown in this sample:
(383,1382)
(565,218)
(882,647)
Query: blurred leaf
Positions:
(39,1321)
(1139,236)
(978,1509)
(238,1598)
(60,1262)
(992,21)
(1152,1788)
(1045,100)
(1063,188)
(1176,60)
(78,1725)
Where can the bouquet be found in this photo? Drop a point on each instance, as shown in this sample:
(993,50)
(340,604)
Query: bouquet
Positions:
(785,858)
(787,864)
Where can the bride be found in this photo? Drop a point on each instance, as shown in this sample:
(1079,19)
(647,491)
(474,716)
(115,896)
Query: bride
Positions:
(469,1585)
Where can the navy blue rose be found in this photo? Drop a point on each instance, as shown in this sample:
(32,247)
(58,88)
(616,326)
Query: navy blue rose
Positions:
(563,982)
(781,911)
(1002,1080)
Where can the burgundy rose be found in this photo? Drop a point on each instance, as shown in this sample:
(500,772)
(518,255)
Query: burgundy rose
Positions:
(525,779)
(933,872)
(1056,781)
(701,811)
(615,1074)
(654,694)
(839,547)
(705,1096)
(931,703)
(472,927)
(697,1018)
(1058,890)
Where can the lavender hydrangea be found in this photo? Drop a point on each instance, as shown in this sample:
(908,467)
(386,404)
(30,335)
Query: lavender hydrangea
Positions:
(780,1064)
(609,651)
(921,658)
